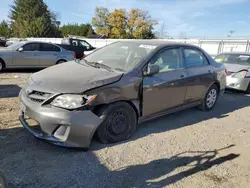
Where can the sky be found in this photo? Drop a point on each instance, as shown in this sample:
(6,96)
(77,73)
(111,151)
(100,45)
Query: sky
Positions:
(203,18)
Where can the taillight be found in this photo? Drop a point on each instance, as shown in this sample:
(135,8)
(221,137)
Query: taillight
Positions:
(83,54)
(74,55)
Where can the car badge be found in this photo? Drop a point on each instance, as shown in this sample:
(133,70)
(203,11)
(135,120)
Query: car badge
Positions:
(28,91)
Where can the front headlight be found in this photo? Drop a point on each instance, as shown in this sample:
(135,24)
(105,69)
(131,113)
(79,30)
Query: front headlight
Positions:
(71,101)
(240,74)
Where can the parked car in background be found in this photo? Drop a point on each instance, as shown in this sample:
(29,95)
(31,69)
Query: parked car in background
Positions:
(33,55)
(238,69)
(115,88)
(3,41)
(80,47)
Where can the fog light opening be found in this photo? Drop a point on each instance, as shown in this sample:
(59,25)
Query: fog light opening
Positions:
(62,132)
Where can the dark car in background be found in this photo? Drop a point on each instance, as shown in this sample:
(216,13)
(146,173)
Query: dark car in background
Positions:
(76,45)
(3,41)
(238,69)
(116,87)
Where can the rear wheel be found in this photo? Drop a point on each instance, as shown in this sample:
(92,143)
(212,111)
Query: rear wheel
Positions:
(3,182)
(119,122)
(210,98)
(60,61)
(1,65)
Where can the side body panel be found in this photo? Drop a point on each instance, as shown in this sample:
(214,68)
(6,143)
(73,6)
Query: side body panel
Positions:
(164,91)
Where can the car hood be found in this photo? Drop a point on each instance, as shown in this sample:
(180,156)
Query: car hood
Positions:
(236,67)
(72,77)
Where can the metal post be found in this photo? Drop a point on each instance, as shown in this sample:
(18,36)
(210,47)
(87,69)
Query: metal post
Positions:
(247,46)
(199,43)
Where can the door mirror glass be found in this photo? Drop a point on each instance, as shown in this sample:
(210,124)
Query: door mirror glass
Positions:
(152,69)
(20,49)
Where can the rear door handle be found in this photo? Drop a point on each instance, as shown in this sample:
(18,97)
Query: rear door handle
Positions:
(209,71)
(182,76)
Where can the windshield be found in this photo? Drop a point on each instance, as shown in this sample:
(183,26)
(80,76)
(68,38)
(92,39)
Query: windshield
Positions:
(233,58)
(121,55)
(15,46)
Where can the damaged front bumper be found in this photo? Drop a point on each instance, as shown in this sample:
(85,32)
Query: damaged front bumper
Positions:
(237,83)
(58,126)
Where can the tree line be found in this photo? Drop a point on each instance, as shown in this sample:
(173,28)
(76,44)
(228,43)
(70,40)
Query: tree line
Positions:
(33,18)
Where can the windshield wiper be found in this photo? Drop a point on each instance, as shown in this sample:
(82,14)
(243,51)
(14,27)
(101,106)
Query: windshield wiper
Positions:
(99,65)
(119,69)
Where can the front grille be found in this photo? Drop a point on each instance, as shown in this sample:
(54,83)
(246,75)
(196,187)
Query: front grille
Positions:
(39,93)
(38,96)
(37,100)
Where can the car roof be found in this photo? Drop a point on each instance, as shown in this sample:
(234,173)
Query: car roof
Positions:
(28,42)
(159,43)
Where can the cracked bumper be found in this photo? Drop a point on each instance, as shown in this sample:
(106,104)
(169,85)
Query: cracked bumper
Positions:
(58,126)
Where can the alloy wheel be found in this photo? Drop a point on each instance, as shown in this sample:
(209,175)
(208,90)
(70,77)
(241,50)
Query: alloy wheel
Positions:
(211,98)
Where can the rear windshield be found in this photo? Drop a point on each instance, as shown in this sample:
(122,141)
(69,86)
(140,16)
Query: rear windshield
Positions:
(233,58)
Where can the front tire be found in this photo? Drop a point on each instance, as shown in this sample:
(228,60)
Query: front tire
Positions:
(119,122)
(248,89)
(3,182)
(210,99)
(1,66)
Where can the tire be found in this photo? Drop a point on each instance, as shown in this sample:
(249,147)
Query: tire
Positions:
(210,99)
(1,65)
(119,122)
(248,89)
(60,61)
(3,182)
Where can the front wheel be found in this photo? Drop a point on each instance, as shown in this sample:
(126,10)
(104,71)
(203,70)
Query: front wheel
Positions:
(248,89)
(119,122)
(1,66)
(3,182)
(210,98)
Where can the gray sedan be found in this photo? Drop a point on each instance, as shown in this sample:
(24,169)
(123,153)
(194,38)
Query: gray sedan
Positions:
(33,55)
(238,70)
(115,88)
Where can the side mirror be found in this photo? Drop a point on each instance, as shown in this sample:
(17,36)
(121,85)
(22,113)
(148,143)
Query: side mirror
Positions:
(20,49)
(152,69)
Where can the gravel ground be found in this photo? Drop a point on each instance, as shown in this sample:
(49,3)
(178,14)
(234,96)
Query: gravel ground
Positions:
(186,149)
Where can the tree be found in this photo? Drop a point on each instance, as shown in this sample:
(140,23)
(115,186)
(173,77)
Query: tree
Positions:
(120,24)
(101,21)
(118,21)
(32,18)
(5,30)
(140,24)
(85,30)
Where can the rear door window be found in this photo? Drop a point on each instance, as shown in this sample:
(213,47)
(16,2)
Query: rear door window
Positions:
(49,48)
(169,60)
(194,58)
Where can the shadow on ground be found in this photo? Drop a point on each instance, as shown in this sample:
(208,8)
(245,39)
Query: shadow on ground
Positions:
(28,162)
(31,70)
(9,91)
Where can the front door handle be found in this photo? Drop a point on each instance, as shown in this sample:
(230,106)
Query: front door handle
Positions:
(209,71)
(182,76)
